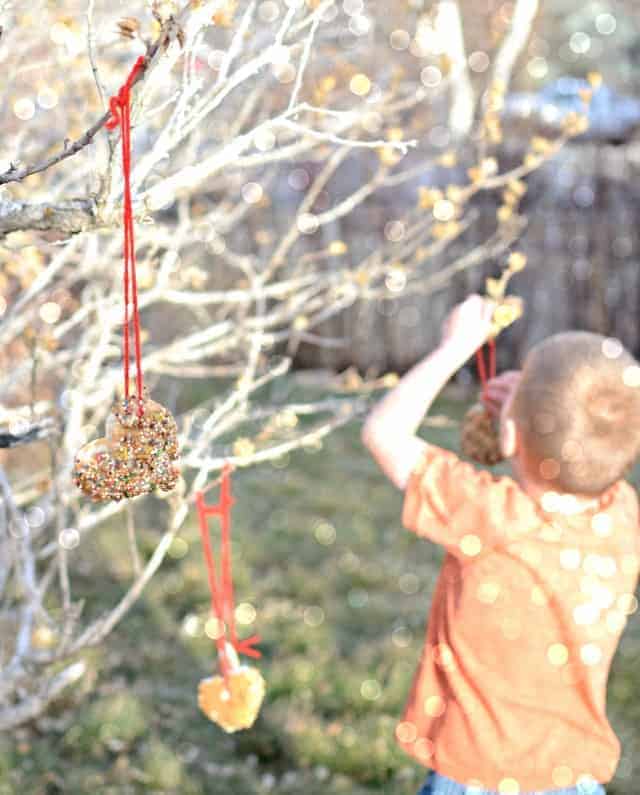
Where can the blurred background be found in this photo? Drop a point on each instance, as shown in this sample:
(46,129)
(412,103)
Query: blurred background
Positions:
(316,184)
(580,236)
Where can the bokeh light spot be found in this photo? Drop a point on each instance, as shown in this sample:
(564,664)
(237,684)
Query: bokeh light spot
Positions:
(471,545)
(313,616)
(557,654)
(479,61)
(434,706)
(431,76)
(590,654)
(370,689)
(245,613)
(360,85)
(252,192)
(631,375)
(24,108)
(612,348)
(570,558)
(606,24)
(325,533)
(394,231)
(214,628)
(69,538)
(406,732)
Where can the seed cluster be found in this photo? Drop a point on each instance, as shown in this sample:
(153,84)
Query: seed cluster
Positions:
(479,437)
(137,455)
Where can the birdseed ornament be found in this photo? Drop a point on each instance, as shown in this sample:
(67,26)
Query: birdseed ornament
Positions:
(137,455)
(480,438)
(480,431)
(140,450)
(233,698)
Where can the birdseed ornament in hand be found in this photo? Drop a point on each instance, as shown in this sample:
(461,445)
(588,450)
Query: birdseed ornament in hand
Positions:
(233,698)
(141,444)
(480,431)
(480,436)
(480,440)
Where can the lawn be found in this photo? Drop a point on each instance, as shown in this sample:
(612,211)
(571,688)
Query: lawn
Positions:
(339,592)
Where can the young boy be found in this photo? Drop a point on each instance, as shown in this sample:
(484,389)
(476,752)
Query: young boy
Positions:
(540,571)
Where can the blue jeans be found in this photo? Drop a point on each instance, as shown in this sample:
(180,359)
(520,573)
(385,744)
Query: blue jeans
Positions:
(437,784)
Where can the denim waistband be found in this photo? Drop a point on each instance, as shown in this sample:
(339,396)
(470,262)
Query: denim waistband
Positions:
(437,784)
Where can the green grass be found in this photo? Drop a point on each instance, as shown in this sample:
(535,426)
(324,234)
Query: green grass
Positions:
(342,593)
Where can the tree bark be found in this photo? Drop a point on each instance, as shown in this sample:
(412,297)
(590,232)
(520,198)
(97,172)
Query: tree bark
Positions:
(67,217)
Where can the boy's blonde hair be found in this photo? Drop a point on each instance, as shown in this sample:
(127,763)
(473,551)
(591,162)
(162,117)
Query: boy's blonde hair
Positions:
(577,410)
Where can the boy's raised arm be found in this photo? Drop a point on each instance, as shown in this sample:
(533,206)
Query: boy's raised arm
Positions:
(389,431)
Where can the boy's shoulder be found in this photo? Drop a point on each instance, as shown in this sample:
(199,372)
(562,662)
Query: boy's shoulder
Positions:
(444,483)
(460,473)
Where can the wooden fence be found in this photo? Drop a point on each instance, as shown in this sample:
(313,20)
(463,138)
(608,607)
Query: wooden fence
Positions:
(583,246)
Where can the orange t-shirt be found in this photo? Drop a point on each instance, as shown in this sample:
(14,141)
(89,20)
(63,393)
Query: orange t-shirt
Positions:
(530,604)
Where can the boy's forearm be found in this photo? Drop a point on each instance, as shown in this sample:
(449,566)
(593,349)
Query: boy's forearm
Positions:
(401,411)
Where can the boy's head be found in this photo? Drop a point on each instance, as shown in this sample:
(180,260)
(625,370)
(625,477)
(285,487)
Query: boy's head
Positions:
(573,422)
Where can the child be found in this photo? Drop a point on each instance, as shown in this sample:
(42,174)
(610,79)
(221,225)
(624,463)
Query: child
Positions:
(540,571)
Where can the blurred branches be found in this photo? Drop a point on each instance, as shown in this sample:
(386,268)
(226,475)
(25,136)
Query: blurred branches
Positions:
(256,131)
(515,41)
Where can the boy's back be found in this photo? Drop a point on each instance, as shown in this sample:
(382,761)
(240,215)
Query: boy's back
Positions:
(510,695)
(527,614)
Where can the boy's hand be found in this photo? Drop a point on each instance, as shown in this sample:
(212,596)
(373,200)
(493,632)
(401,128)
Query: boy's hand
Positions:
(468,325)
(499,389)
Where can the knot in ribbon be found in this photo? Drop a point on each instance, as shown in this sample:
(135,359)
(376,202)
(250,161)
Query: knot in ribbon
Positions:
(120,101)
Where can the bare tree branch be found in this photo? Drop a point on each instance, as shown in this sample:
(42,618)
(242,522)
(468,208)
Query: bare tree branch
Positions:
(515,41)
(252,192)
(34,705)
(67,217)
(70,148)
(31,433)
(448,26)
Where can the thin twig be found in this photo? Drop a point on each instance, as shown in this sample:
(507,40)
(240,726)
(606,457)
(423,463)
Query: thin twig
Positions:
(71,148)
(90,50)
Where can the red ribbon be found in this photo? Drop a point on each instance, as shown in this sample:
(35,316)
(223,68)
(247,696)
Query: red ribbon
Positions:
(221,587)
(121,115)
(482,370)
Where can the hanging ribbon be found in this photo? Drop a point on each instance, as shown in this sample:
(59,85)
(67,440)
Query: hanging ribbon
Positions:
(120,107)
(482,369)
(221,587)
(137,454)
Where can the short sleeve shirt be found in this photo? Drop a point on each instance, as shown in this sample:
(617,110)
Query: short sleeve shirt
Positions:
(528,610)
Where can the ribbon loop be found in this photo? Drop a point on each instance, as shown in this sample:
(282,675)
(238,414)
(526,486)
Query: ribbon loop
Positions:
(119,107)
(221,586)
(114,107)
(482,370)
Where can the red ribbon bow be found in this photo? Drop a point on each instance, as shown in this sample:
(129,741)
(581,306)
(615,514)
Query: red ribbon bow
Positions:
(222,602)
